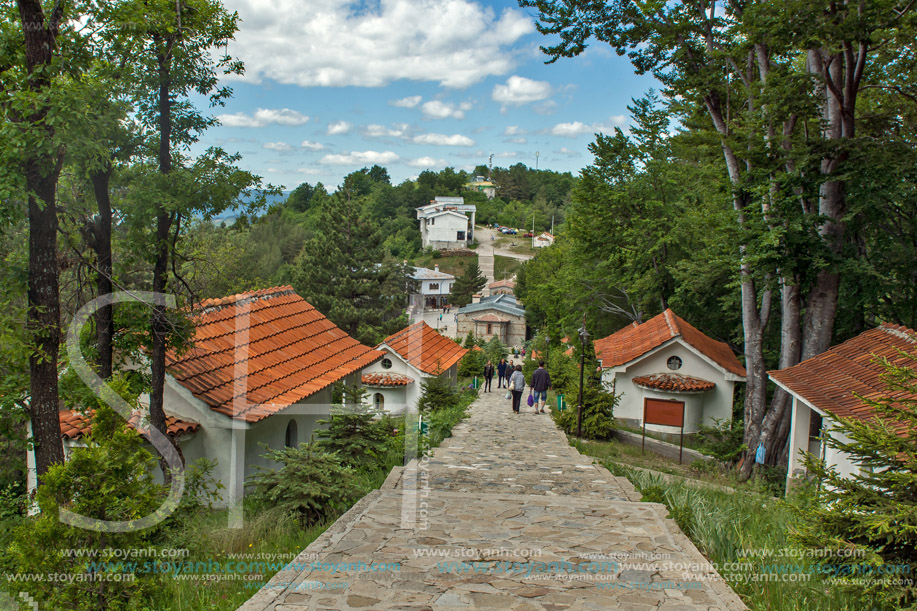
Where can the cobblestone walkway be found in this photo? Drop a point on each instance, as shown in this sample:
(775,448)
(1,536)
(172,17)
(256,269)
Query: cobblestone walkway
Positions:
(504,515)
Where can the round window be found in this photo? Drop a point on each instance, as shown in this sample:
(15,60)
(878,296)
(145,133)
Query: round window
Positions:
(386,363)
(674,363)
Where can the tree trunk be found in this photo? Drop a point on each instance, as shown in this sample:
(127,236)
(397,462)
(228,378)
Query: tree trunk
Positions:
(105,322)
(41,174)
(159,323)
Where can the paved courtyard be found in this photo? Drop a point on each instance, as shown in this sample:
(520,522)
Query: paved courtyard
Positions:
(504,515)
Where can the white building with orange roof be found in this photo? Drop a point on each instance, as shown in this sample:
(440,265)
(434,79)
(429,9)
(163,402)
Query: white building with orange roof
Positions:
(824,388)
(411,356)
(260,370)
(666,363)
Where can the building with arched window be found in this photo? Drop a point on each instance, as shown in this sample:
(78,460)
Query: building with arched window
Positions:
(411,356)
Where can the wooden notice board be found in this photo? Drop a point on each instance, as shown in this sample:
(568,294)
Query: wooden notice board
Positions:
(665,412)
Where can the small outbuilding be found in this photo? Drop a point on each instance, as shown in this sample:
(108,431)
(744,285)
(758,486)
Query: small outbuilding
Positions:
(410,357)
(542,240)
(825,388)
(666,363)
(499,316)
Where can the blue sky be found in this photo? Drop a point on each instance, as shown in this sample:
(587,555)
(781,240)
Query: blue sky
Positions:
(332,86)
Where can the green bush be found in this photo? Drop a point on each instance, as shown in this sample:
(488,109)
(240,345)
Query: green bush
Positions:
(109,479)
(360,440)
(312,484)
(598,402)
(723,440)
(438,394)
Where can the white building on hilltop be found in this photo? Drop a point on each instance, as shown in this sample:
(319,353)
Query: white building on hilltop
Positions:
(444,223)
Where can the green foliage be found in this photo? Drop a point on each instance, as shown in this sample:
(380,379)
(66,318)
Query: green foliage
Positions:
(723,440)
(598,402)
(873,513)
(359,439)
(109,479)
(495,350)
(438,393)
(310,483)
(469,283)
(344,273)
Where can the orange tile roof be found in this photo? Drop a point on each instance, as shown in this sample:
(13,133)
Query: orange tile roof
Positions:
(283,351)
(386,379)
(674,382)
(74,424)
(424,348)
(635,340)
(828,381)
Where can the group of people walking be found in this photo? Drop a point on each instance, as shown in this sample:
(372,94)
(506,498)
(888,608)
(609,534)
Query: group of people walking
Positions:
(514,380)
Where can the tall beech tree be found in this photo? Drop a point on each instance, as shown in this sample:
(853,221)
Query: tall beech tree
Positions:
(778,83)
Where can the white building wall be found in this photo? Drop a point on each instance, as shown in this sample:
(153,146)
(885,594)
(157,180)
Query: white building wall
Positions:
(443,233)
(700,408)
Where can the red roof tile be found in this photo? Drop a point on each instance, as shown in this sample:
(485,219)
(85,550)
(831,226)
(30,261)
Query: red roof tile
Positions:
(386,379)
(674,382)
(424,348)
(828,381)
(74,424)
(266,349)
(633,341)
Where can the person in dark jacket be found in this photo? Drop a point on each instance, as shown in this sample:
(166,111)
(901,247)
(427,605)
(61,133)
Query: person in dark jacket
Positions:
(541,382)
(488,375)
(501,373)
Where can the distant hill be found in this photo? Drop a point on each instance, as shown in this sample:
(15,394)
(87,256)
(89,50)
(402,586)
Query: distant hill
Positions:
(230,215)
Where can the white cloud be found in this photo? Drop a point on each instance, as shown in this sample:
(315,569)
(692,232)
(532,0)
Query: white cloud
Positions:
(517,140)
(577,128)
(312,146)
(520,90)
(567,152)
(360,158)
(514,130)
(426,162)
(331,43)
(280,147)
(338,127)
(398,130)
(442,110)
(570,130)
(408,102)
(263,117)
(311,171)
(443,140)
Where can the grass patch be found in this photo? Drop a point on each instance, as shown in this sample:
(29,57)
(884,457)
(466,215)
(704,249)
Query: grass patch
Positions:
(746,535)
(505,267)
(516,244)
(448,265)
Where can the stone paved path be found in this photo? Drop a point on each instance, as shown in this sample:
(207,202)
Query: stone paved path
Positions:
(504,515)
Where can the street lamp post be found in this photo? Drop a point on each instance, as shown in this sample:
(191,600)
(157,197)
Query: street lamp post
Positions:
(547,350)
(583,336)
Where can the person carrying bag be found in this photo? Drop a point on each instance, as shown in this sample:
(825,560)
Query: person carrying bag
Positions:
(517,387)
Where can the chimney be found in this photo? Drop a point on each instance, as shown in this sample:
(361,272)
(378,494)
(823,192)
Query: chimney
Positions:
(475,299)
(436,268)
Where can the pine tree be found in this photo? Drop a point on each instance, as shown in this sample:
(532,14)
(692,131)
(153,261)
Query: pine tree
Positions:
(468,284)
(873,513)
(342,271)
